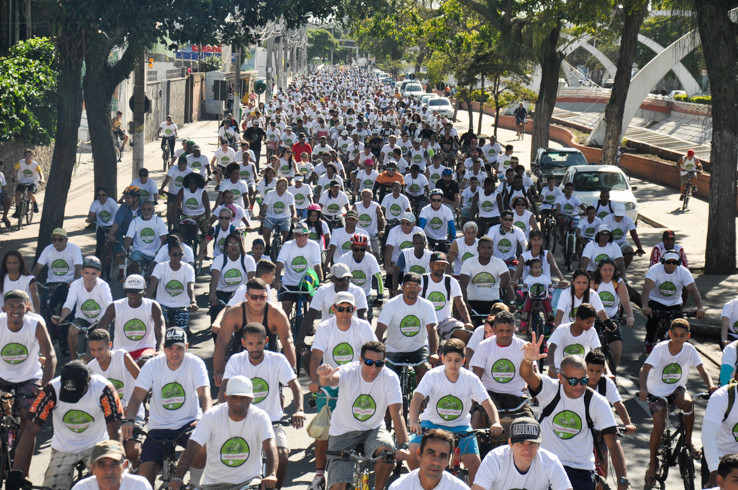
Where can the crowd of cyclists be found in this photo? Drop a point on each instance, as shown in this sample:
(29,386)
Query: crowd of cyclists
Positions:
(445,323)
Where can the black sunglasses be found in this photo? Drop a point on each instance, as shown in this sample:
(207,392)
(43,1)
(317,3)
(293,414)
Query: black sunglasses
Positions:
(575,381)
(345,309)
(371,362)
(671,262)
(436,200)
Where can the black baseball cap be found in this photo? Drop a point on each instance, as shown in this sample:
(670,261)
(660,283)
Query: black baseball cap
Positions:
(75,376)
(174,336)
(525,429)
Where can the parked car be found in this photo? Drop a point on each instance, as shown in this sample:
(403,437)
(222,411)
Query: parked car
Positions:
(589,180)
(413,90)
(442,105)
(555,161)
(609,83)
(427,97)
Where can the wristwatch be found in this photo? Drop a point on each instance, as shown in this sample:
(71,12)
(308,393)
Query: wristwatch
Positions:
(623,481)
(404,446)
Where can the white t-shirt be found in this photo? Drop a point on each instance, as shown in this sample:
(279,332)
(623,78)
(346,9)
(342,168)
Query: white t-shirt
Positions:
(567,344)
(400,241)
(174,400)
(19,351)
(223,158)
(484,280)
(332,206)
(199,164)
(595,253)
(267,376)
(450,403)
(232,272)
(172,288)
(570,311)
(128,482)
(341,239)
(506,242)
(620,230)
(61,264)
(436,293)
(362,271)
(411,481)
(368,217)
(565,432)
(611,391)
(730,311)
(724,432)
(301,195)
(233,448)
(342,347)
(279,206)
(177,178)
(325,295)
(239,189)
(550,197)
(667,288)
(498,472)
(361,405)
(119,376)
(668,372)
(23,283)
(406,324)
(488,204)
(296,260)
(163,254)
(569,206)
(148,190)
(167,130)
(501,365)
(587,229)
(88,305)
(146,234)
(104,213)
(415,186)
(436,221)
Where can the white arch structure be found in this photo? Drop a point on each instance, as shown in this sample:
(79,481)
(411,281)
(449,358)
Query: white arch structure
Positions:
(645,80)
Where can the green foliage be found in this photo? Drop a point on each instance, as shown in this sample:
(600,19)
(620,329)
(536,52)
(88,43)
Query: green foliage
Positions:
(680,97)
(211,63)
(28,91)
(701,99)
(320,43)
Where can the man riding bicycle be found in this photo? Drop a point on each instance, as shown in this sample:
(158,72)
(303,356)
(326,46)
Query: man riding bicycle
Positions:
(167,130)
(145,235)
(28,176)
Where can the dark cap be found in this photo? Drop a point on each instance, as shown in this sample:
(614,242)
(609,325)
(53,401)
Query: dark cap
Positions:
(335,183)
(415,166)
(174,336)
(411,277)
(438,257)
(537,233)
(525,429)
(74,378)
(668,234)
(351,214)
(506,213)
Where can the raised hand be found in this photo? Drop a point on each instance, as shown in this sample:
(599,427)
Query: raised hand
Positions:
(532,350)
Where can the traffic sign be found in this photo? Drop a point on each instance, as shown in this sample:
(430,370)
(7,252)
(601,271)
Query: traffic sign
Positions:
(260,86)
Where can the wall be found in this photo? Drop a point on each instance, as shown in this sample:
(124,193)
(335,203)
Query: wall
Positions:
(176,99)
(12,151)
(154,118)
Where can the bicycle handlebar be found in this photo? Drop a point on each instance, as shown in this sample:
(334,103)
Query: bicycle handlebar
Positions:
(352,455)
(404,364)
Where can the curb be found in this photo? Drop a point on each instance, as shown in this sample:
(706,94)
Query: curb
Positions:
(651,221)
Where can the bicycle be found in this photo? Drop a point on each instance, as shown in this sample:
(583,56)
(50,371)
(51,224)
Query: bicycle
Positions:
(602,328)
(601,464)
(688,189)
(407,383)
(483,436)
(81,335)
(537,322)
(191,233)
(276,244)
(169,448)
(549,232)
(9,430)
(166,155)
(106,252)
(362,465)
(665,318)
(25,209)
(301,309)
(570,243)
(50,306)
(674,448)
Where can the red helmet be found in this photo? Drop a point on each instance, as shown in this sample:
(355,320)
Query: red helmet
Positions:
(315,207)
(359,239)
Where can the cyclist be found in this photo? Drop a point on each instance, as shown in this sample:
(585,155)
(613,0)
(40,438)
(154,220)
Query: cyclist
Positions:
(221,158)
(602,247)
(664,375)
(668,242)
(218,233)
(435,172)
(84,409)
(286,166)
(396,203)
(337,341)
(522,463)
(28,175)
(366,392)
(415,259)
(194,201)
(303,195)
(108,465)
(575,450)
(14,275)
(319,230)
(175,181)
(4,196)
(256,308)
(325,181)
(614,295)
(170,134)
(173,379)
(274,212)
(129,209)
(437,221)
(302,254)
(620,224)
(567,210)
(199,162)
(444,292)
(228,272)
(575,338)
(234,184)
(255,136)
(687,164)
(451,391)
(587,229)
(145,235)
(521,114)
(507,239)
(102,212)
(64,263)
(24,338)
(371,218)
(579,292)
(717,429)
(463,248)
(341,237)
(89,298)
(550,194)
(364,268)
(139,322)
(173,285)
(386,153)
(663,287)
(334,203)
(416,187)
(481,279)
(449,187)
(268,372)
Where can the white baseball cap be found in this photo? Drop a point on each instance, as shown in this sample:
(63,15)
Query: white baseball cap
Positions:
(135,283)
(240,386)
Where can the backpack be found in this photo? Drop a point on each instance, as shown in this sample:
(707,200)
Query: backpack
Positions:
(732,388)
(447,282)
(597,439)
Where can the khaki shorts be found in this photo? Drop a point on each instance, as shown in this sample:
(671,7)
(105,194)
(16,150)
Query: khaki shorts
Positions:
(340,471)
(446,327)
(60,472)
(280,436)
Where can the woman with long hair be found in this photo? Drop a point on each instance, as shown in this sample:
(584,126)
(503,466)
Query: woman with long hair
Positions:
(579,292)
(613,293)
(14,274)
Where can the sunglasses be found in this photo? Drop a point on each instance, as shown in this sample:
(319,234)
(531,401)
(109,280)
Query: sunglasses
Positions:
(257,297)
(371,362)
(342,278)
(507,219)
(573,381)
(436,200)
(671,262)
(57,240)
(224,217)
(345,309)
(605,233)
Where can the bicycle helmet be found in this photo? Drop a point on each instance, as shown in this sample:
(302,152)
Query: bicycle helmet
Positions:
(132,191)
(447,171)
(436,192)
(315,207)
(359,239)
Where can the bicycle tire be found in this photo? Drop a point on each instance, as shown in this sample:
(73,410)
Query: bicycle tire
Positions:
(609,357)
(569,247)
(663,458)
(105,261)
(29,213)
(296,322)
(686,468)
(22,210)
(276,246)
(165,158)
(685,203)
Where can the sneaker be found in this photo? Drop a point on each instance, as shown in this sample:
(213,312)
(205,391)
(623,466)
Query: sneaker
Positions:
(15,214)
(318,483)
(681,197)
(35,207)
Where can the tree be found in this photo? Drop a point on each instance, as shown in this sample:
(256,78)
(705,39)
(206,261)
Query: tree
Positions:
(320,43)
(718,34)
(634,11)
(211,63)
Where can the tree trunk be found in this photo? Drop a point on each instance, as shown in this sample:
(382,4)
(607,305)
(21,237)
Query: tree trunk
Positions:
(481,108)
(69,114)
(719,33)
(496,93)
(635,11)
(469,109)
(550,58)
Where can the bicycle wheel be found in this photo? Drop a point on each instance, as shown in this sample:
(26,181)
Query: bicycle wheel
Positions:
(686,468)
(276,246)
(29,213)
(610,357)
(569,250)
(685,203)
(663,457)
(105,260)
(296,323)
(165,158)
(23,205)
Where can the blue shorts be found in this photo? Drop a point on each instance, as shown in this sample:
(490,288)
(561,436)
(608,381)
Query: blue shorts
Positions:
(180,317)
(467,445)
(138,256)
(282,224)
(322,398)
(154,451)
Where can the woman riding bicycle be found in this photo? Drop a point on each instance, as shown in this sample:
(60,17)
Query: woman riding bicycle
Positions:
(287,167)
(578,293)
(320,232)
(268,183)
(613,293)
(14,275)
(169,137)
(535,250)
(172,284)
(194,201)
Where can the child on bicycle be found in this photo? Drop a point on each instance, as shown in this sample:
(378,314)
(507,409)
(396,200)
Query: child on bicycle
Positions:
(605,386)
(536,286)
(664,377)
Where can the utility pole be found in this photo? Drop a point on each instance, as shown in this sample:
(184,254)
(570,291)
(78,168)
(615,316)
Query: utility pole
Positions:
(269,69)
(139,115)
(237,85)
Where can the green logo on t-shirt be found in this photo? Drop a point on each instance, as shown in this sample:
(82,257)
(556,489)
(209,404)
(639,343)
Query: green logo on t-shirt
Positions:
(172,396)
(607,298)
(279,207)
(405,245)
(191,203)
(567,424)
(484,280)
(104,216)
(343,353)
(395,209)
(503,371)
(467,255)
(414,189)
(488,206)
(365,220)
(574,350)
(735,432)
(299,199)
(667,289)
(417,269)
(59,267)
(449,407)
(333,209)
(671,373)
(174,288)
(77,421)
(14,353)
(504,245)
(520,225)
(134,329)
(232,277)
(358,278)
(438,299)
(410,326)
(234,452)
(90,308)
(601,257)
(617,234)
(178,181)
(119,387)
(568,208)
(436,223)
(261,389)
(363,408)
(299,264)
(147,235)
